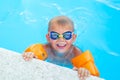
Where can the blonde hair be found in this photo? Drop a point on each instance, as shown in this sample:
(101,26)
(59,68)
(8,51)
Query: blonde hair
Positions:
(61,20)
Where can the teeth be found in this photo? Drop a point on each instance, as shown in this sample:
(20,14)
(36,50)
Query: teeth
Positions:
(61,44)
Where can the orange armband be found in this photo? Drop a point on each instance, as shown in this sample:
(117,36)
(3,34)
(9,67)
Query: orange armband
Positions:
(38,51)
(85,60)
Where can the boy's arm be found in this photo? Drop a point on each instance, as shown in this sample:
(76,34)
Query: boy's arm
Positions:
(83,73)
(35,51)
(85,60)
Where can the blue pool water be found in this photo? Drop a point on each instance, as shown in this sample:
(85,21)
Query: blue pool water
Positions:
(97,25)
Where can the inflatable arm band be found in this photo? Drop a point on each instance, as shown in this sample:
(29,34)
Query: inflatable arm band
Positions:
(38,51)
(85,60)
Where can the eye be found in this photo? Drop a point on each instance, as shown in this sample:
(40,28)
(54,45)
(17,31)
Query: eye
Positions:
(67,35)
(54,35)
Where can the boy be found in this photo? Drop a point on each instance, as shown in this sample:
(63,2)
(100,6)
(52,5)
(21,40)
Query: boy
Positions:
(60,50)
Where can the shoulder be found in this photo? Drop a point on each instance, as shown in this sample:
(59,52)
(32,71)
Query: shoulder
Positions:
(46,46)
(76,51)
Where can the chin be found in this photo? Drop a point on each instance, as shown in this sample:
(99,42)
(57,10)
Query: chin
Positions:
(61,51)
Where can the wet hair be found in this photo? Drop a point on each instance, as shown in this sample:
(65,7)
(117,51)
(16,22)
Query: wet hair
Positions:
(61,20)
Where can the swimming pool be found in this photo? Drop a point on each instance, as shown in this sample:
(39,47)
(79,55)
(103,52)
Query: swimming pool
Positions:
(97,22)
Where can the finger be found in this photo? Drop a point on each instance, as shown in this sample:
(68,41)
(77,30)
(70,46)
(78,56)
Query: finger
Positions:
(31,56)
(85,73)
(27,56)
(24,56)
(88,73)
(81,71)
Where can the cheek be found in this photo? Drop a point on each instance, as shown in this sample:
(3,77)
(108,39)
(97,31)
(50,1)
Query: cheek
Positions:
(52,42)
(69,42)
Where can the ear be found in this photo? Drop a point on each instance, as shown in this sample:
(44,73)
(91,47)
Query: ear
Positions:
(47,37)
(74,37)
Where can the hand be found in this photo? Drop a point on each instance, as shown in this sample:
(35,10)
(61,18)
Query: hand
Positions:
(27,56)
(82,73)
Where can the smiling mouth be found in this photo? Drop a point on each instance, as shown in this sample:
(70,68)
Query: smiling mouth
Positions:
(61,46)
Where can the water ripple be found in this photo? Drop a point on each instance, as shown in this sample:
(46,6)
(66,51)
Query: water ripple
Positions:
(110,3)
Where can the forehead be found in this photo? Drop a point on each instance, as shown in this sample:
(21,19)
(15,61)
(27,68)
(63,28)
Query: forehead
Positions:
(60,28)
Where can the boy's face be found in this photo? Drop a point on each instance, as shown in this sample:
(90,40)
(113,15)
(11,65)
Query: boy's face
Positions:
(61,37)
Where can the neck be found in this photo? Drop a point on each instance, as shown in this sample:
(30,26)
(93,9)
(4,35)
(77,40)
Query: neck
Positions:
(59,54)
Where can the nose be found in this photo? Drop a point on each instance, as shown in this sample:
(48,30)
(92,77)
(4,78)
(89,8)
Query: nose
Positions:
(61,39)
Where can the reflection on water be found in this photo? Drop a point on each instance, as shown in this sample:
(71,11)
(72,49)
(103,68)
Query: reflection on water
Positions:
(111,3)
(24,22)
